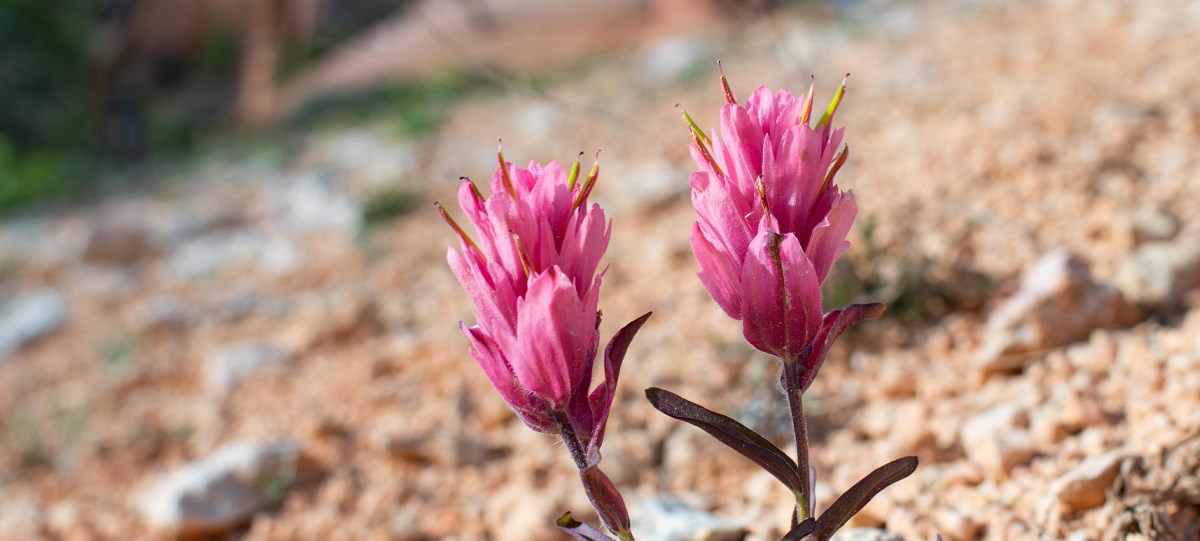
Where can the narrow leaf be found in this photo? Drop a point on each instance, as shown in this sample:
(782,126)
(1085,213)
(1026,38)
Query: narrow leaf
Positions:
(579,530)
(730,432)
(857,497)
(602,397)
(801,530)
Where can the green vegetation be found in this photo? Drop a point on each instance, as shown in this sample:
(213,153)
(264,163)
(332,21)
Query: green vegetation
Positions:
(913,286)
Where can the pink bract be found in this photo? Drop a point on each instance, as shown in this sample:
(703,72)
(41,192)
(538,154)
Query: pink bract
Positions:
(771,220)
(533,279)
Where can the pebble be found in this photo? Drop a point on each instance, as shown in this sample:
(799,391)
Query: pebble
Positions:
(1086,486)
(997,440)
(865,534)
(1057,303)
(665,518)
(229,367)
(1159,274)
(224,490)
(28,316)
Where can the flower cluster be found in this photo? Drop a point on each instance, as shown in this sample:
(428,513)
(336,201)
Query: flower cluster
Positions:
(534,282)
(770,223)
(772,220)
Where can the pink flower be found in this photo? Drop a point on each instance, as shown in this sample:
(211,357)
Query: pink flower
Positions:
(533,279)
(771,219)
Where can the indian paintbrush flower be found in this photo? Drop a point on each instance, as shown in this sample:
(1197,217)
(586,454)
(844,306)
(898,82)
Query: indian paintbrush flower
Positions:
(772,220)
(533,278)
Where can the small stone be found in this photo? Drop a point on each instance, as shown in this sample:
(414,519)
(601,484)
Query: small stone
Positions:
(953,524)
(310,203)
(1158,275)
(227,368)
(665,518)
(519,511)
(997,440)
(27,317)
(1152,224)
(1085,487)
(865,534)
(224,490)
(1057,303)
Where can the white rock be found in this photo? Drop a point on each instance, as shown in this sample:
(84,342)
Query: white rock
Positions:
(1086,487)
(1158,274)
(519,511)
(307,203)
(669,60)
(28,316)
(226,368)
(222,491)
(1058,303)
(1153,224)
(865,534)
(664,518)
(997,440)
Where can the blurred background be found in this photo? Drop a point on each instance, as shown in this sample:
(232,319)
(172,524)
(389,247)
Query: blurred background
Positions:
(225,313)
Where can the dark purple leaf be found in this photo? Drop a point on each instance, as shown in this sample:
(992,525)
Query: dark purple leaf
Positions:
(730,432)
(857,497)
(602,397)
(801,530)
(834,324)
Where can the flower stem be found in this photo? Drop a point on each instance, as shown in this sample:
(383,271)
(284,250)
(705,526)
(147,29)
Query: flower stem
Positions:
(571,440)
(795,398)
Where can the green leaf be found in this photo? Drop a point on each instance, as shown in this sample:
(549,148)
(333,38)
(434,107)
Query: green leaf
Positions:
(579,530)
(730,432)
(857,497)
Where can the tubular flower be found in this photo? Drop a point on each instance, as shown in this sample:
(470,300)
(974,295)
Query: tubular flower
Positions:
(533,278)
(771,220)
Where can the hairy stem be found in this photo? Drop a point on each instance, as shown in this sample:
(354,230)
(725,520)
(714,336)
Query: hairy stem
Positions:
(571,440)
(795,398)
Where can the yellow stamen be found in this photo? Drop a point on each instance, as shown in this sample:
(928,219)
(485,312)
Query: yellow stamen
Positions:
(574,173)
(725,85)
(458,230)
(707,156)
(526,263)
(695,129)
(833,105)
(508,184)
(806,114)
(762,195)
(837,165)
(588,184)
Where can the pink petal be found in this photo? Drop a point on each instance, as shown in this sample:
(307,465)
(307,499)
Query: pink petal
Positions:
(555,332)
(723,217)
(781,297)
(719,272)
(828,238)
